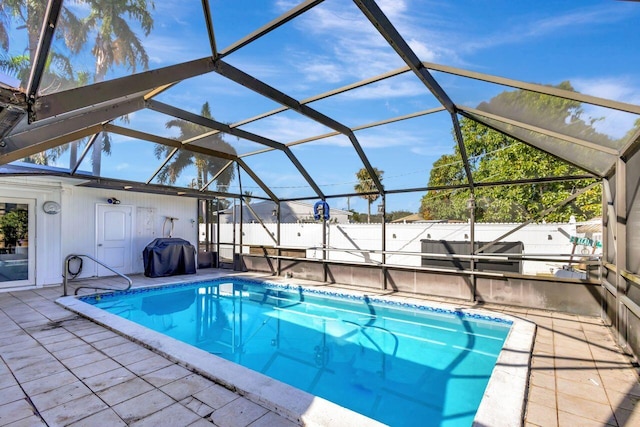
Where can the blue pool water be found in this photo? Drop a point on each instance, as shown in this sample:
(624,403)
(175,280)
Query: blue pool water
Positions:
(402,364)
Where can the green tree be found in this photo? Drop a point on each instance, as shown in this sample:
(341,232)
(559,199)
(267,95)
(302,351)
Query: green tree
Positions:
(392,216)
(14,226)
(366,185)
(496,157)
(206,166)
(356,217)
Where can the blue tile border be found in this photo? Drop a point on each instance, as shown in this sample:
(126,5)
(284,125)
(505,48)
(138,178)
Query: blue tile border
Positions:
(94,299)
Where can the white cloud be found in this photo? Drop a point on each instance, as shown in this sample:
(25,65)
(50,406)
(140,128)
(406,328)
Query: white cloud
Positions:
(324,71)
(354,47)
(624,89)
(283,128)
(618,88)
(176,49)
(388,89)
(528,27)
(421,49)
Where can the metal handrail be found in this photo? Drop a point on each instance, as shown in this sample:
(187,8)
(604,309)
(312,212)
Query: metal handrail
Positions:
(66,269)
(593,258)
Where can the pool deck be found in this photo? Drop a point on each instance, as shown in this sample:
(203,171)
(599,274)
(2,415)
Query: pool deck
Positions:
(58,369)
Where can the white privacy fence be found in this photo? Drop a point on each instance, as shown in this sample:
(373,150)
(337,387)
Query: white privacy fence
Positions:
(353,242)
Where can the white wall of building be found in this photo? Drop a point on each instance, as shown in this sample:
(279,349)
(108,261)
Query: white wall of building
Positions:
(47,227)
(73,230)
(149,212)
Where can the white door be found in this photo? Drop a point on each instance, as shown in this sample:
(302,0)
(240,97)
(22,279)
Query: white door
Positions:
(17,242)
(114,238)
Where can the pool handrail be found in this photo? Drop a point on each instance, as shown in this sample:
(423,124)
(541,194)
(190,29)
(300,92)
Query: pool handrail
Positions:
(65,268)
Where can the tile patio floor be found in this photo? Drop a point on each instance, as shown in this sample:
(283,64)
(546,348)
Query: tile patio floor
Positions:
(58,369)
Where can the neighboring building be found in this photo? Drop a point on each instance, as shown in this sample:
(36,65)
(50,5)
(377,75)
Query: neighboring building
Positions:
(290,212)
(409,219)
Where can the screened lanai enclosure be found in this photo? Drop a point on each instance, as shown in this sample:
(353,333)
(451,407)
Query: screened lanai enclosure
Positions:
(448,149)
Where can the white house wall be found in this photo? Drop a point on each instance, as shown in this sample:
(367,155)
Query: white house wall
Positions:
(48,235)
(73,230)
(79,221)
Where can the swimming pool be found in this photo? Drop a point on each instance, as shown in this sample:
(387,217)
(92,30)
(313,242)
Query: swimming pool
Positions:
(399,362)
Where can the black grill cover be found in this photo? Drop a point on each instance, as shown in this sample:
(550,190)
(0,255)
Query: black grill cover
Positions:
(169,257)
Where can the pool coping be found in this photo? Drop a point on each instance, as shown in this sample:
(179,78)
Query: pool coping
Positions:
(502,404)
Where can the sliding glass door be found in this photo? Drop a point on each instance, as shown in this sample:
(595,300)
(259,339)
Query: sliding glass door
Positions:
(17,232)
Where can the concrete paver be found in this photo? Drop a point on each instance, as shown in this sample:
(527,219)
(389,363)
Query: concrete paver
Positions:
(124,391)
(143,405)
(238,413)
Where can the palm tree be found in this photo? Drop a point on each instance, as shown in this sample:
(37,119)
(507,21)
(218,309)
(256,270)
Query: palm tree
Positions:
(365,185)
(28,15)
(206,165)
(115,44)
(247,196)
(115,41)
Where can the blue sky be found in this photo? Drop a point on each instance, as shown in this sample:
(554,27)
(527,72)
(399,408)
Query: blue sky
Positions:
(592,44)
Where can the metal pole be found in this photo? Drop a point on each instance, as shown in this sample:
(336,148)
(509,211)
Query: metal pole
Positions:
(218,233)
(278,241)
(384,241)
(620,206)
(233,238)
(471,204)
(64,276)
(324,247)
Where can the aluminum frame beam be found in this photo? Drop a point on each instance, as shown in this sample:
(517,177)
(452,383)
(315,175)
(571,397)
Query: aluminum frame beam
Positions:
(479,120)
(263,89)
(533,87)
(265,29)
(162,165)
(35,138)
(321,96)
(37,147)
(259,220)
(213,124)
(217,174)
(354,129)
(116,184)
(167,141)
(632,146)
(206,10)
(82,97)
(328,94)
(87,147)
(258,181)
(42,51)
(463,150)
(460,186)
(380,21)
(546,132)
